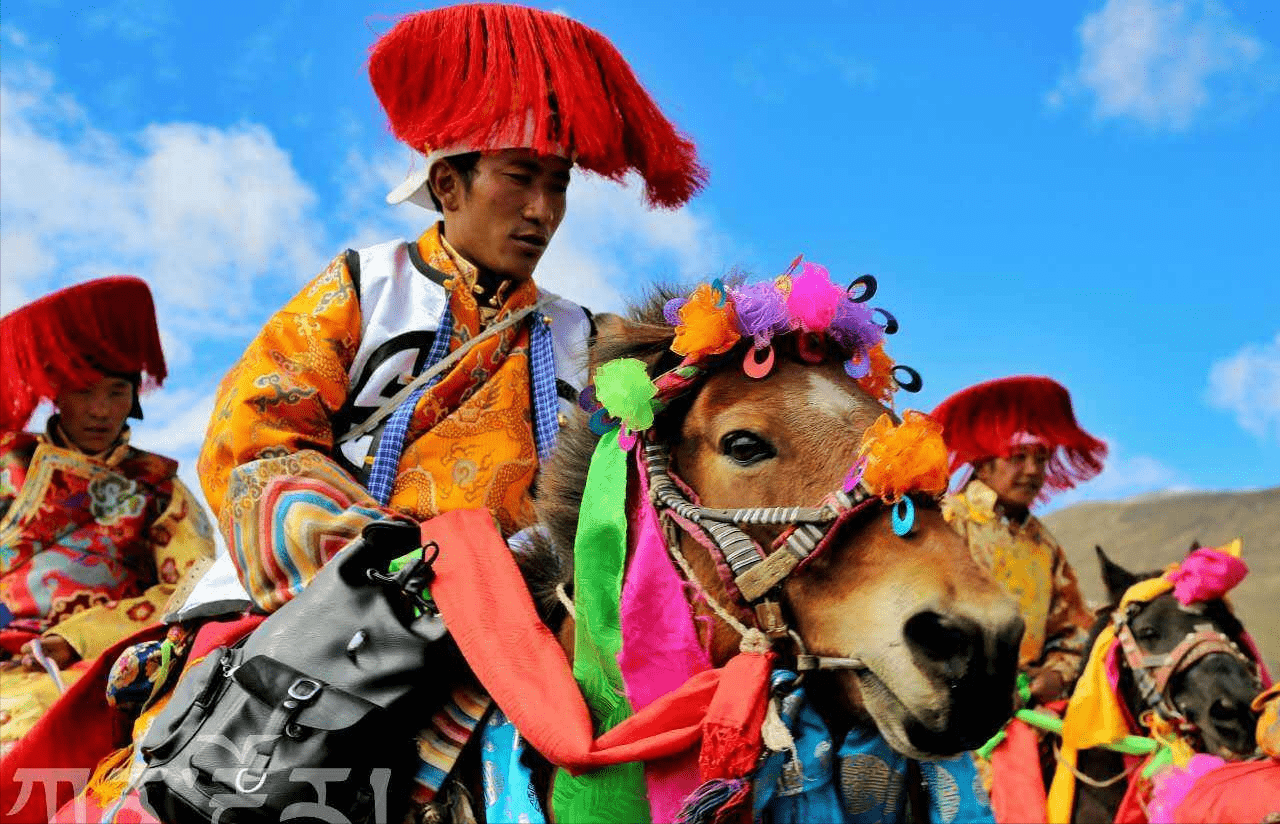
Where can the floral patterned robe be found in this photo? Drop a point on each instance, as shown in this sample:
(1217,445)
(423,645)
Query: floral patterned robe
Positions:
(91,549)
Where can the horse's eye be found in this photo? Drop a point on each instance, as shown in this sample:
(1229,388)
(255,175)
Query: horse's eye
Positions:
(1146,633)
(746,448)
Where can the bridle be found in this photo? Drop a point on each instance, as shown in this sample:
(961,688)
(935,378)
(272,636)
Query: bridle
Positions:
(754,571)
(1153,673)
(719,320)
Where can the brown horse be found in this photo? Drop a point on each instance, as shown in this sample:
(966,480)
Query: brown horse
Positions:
(910,634)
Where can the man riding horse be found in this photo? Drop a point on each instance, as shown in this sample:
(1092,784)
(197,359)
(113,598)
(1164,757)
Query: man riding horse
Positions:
(410,379)
(414,378)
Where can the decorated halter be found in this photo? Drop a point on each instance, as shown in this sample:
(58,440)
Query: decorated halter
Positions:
(1203,575)
(894,461)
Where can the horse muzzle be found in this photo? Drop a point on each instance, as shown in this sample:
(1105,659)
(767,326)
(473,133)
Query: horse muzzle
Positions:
(1215,695)
(953,692)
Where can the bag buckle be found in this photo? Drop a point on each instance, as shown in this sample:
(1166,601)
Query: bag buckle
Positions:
(304,689)
(418,576)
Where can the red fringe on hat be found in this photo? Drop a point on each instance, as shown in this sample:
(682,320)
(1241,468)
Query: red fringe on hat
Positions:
(494,77)
(70,338)
(980,422)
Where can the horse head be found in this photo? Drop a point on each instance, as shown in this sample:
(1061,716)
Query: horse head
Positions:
(874,598)
(1186,662)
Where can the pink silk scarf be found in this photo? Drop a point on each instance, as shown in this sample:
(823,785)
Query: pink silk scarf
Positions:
(660,647)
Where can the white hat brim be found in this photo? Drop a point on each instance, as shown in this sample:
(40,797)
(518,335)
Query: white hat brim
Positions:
(415,188)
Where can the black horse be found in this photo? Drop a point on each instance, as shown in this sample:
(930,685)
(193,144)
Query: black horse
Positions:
(1187,664)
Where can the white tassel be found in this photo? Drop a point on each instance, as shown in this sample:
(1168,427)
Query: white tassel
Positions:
(774,733)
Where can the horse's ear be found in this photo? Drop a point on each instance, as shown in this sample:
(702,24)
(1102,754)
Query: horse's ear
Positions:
(609,325)
(1195,544)
(620,337)
(1116,578)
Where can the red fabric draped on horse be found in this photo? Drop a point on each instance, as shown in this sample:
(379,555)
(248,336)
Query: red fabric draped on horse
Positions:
(796,515)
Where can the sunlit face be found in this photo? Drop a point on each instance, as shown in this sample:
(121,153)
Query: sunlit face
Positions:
(94,416)
(1017,478)
(503,219)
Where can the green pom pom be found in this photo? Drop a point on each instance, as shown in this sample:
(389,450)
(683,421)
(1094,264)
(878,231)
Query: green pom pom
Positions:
(625,390)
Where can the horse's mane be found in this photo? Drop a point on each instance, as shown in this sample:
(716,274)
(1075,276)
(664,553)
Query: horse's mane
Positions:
(558,501)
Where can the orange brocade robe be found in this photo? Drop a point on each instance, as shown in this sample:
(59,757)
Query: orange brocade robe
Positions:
(286,506)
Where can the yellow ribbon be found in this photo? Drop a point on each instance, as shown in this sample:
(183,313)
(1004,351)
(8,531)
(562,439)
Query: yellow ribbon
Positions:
(1094,716)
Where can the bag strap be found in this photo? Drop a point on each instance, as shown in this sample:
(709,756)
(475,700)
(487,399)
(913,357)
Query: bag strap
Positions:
(302,691)
(370,423)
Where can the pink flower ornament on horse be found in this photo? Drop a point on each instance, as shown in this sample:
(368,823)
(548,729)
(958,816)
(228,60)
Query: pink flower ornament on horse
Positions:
(1205,574)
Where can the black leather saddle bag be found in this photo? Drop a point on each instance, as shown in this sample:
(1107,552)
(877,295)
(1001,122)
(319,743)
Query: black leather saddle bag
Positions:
(311,717)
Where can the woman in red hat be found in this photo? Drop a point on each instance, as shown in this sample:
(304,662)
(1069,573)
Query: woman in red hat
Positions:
(1018,442)
(94,533)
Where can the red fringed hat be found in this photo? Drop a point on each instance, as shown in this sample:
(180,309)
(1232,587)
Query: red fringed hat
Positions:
(71,338)
(991,419)
(486,77)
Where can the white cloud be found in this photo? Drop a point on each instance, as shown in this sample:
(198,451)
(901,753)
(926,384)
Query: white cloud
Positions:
(174,426)
(1161,62)
(1247,384)
(175,422)
(770,76)
(203,214)
(209,217)
(610,245)
(135,20)
(1123,476)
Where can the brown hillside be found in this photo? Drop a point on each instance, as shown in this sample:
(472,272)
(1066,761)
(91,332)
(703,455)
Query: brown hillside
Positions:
(1149,532)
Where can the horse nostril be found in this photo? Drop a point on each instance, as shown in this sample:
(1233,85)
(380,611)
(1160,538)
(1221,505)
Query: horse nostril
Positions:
(1224,709)
(949,640)
(1009,639)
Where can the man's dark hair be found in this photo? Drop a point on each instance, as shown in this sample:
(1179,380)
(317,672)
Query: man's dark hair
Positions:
(465,165)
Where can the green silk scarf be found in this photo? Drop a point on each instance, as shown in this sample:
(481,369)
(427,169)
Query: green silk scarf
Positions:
(616,793)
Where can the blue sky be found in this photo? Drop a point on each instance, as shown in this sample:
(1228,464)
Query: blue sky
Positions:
(1084,190)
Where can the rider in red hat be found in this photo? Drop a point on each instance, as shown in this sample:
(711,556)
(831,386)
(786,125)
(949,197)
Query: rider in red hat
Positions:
(498,102)
(416,377)
(94,533)
(1019,440)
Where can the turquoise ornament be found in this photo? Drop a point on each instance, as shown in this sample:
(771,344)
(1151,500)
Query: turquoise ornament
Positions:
(904,517)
